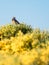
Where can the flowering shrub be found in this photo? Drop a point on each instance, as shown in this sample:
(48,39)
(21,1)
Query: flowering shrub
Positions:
(10,30)
(24,48)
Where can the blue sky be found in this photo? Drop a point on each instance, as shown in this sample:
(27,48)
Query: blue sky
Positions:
(31,12)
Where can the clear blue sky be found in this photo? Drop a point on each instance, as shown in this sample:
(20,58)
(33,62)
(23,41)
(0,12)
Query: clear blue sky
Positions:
(32,12)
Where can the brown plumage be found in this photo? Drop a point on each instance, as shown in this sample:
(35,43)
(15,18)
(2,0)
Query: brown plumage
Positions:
(14,21)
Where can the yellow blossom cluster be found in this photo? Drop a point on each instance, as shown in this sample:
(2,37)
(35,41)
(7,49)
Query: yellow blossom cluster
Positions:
(24,49)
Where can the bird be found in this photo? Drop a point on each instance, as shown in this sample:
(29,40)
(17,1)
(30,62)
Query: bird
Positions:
(14,21)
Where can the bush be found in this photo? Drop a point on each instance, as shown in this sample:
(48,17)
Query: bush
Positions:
(22,45)
(11,30)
